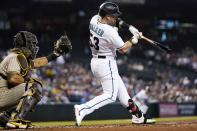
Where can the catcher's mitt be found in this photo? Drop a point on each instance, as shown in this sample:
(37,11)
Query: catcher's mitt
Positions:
(62,46)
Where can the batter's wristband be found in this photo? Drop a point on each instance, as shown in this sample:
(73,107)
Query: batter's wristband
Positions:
(51,57)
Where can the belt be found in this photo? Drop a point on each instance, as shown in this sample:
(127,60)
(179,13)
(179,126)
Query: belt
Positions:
(101,56)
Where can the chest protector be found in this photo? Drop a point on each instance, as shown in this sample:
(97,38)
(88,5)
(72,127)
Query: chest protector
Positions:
(25,65)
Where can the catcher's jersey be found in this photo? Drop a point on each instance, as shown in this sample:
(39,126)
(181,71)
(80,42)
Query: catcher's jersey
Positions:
(104,39)
(10,63)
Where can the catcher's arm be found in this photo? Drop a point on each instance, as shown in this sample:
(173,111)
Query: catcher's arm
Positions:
(61,47)
(39,62)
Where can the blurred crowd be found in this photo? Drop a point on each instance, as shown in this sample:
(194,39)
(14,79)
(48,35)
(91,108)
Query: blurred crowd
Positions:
(186,59)
(67,81)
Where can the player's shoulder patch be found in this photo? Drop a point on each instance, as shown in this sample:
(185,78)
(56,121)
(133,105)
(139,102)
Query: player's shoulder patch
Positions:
(22,61)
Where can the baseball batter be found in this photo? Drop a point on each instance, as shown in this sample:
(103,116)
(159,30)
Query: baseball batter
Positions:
(104,42)
(19,93)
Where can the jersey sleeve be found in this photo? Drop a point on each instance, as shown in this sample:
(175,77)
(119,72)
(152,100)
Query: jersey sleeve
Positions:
(13,65)
(116,39)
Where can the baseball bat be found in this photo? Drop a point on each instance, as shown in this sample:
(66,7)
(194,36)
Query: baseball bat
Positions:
(157,44)
(123,24)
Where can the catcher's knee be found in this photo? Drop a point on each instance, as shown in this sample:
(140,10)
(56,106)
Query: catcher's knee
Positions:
(35,91)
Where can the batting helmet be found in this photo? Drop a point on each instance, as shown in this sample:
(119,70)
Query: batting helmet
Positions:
(27,42)
(109,8)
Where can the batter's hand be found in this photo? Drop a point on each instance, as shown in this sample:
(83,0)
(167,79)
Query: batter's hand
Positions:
(134,40)
(62,46)
(135,32)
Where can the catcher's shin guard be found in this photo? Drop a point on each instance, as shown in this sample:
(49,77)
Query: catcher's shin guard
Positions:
(133,109)
(28,102)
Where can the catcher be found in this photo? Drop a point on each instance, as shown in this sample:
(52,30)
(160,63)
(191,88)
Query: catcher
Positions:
(19,93)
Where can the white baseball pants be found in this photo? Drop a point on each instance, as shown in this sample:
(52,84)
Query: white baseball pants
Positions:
(106,71)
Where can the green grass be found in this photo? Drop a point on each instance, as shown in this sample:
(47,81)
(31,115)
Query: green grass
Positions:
(108,122)
(176,119)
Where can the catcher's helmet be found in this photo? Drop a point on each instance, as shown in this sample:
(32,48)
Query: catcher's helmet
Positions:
(109,8)
(27,42)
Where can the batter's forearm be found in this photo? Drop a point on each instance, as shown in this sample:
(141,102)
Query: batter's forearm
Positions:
(126,47)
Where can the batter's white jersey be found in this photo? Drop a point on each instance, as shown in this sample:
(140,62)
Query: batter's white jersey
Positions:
(104,39)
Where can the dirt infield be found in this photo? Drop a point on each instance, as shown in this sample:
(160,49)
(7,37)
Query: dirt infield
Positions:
(167,126)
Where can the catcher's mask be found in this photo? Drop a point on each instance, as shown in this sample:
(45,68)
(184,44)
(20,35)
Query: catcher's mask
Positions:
(27,42)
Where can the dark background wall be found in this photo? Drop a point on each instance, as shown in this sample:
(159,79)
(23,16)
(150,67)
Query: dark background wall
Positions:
(111,111)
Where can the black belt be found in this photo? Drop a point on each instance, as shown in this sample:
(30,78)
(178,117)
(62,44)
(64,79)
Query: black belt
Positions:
(3,76)
(101,56)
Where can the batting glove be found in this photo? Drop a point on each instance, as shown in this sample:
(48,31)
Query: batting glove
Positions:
(135,32)
(134,40)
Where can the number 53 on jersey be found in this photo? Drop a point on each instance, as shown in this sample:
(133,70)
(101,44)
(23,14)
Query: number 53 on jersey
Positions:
(94,42)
